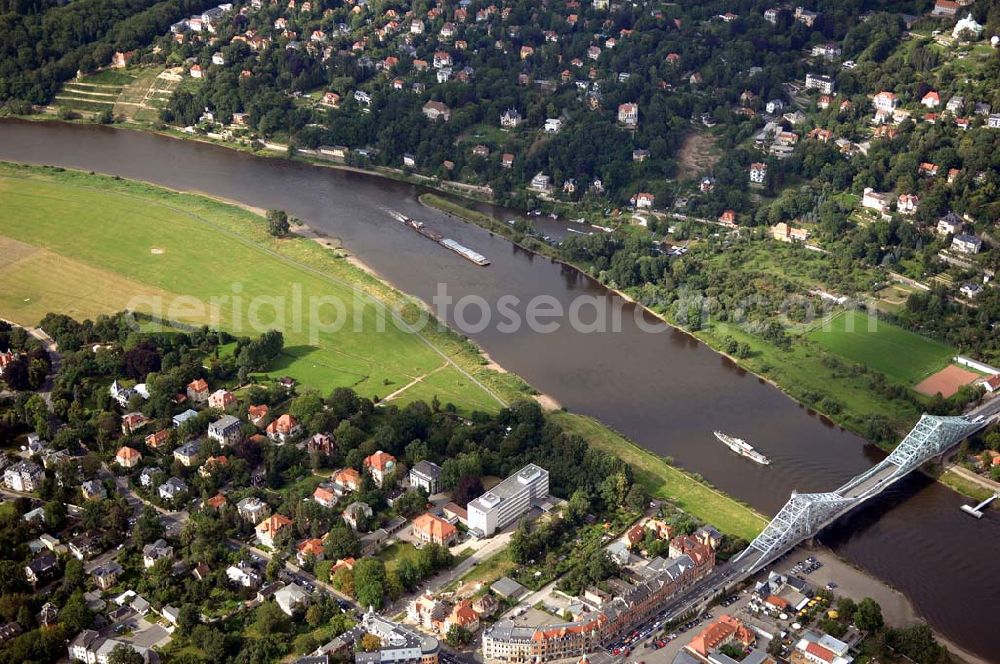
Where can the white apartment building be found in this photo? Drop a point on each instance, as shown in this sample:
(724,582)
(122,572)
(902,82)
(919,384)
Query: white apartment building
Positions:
(503,504)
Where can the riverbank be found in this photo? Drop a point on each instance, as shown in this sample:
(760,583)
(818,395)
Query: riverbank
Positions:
(667,482)
(853,582)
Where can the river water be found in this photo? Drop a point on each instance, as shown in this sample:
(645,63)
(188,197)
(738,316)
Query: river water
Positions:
(665,390)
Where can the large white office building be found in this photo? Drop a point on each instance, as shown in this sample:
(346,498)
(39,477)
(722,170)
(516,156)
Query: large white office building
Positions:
(506,502)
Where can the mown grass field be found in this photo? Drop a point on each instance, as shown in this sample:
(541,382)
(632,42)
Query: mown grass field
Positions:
(899,354)
(85,245)
(667,482)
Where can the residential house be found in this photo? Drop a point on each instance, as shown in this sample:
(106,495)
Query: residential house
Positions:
(774,106)
(927,169)
(643,200)
(971,290)
(540,182)
(356,514)
(506,160)
(106,575)
(758,172)
(93,489)
(257,414)
(462,615)
(221,400)
(552,125)
(84,547)
(283,429)
(945,8)
(187,453)
(956,104)
(132,422)
(155,440)
(965,243)
(309,548)
(628,115)
(931,100)
(197,391)
(728,219)
(950,224)
(873,200)
(436,110)
(83,646)
(268,529)
(172,489)
(346,480)
(23,476)
(121,394)
(907,203)
(821,82)
(820,648)
(425,475)
(885,101)
(181,418)
(226,430)
(41,567)
(252,509)
(380,465)
(325,496)
(322,443)
(430,528)
(724,630)
(292,599)
(156,551)
(244,576)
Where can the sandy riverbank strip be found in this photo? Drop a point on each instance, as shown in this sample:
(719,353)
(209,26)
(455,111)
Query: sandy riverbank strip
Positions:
(853,582)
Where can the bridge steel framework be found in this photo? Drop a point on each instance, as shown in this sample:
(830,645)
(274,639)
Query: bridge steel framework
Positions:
(805,514)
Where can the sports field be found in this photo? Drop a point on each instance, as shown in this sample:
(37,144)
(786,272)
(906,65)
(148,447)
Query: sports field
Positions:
(900,354)
(83,245)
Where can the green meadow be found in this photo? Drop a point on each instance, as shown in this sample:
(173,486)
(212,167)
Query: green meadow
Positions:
(899,354)
(84,245)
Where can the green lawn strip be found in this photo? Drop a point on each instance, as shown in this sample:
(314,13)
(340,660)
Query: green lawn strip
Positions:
(964,486)
(900,354)
(667,482)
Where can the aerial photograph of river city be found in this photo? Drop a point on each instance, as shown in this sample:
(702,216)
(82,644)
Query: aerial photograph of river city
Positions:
(499,332)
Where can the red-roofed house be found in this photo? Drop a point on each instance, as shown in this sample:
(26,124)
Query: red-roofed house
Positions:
(310,547)
(728,219)
(347,480)
(197,391)
(718,633)
(283,429)
(132,422)
(216,502)
(462,615)
(155,440)
(221,399)
(324,496)
(128,457)
(257,414)
(380,465)
(430,528)
(270,527)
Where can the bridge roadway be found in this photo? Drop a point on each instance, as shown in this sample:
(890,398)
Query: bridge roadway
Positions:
(806,514)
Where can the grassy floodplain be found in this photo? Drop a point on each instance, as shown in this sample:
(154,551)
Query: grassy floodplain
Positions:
(85,245)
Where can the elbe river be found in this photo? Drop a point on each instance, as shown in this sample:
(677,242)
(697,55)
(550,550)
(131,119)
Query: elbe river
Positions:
(665,390)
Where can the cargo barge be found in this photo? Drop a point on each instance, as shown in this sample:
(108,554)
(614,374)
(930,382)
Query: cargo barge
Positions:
(445,242)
